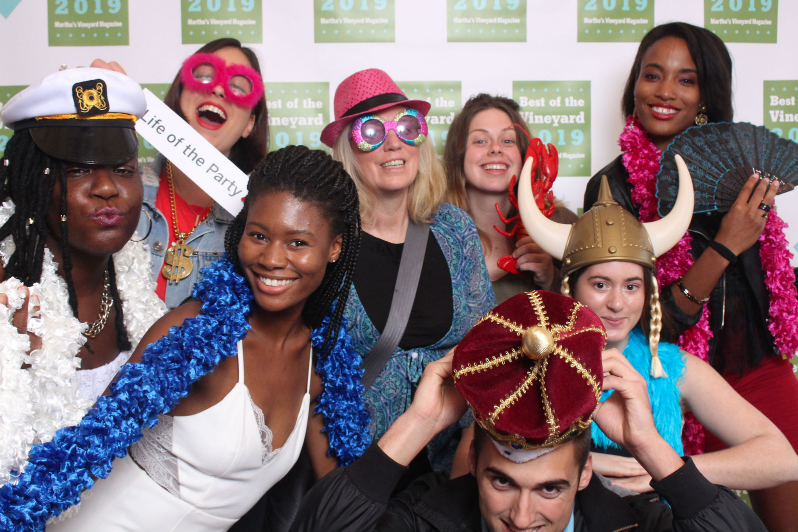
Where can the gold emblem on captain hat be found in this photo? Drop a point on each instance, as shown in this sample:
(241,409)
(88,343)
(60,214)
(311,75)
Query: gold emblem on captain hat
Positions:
(90,98)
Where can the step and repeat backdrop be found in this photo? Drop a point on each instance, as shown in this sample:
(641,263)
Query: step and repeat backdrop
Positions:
(564,61)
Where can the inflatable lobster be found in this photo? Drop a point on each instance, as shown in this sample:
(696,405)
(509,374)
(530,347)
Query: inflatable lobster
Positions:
(547,160)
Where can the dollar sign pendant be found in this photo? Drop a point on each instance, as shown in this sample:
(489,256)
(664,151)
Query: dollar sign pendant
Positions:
(177,265)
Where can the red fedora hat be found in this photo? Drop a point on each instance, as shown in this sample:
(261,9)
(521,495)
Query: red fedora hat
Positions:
(364,92)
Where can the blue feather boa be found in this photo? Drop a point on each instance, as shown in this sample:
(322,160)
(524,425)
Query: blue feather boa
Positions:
(60,470)
(663,393)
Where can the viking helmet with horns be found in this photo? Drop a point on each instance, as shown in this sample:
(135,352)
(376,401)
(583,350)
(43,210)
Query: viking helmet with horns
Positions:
(608,232)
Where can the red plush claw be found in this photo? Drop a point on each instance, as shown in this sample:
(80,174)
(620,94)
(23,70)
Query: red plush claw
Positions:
(547,157)
(507,263)
(550,162)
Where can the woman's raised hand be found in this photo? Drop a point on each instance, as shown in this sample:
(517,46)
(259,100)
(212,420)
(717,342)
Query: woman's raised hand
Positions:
(113,65)
(530,257)
(745,221)
(19,314)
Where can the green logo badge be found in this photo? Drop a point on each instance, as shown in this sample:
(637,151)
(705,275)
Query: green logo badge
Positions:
(781,108)
(486,20)
(742,20)
(559,112)
(87,23)
(146,152)
(297,113)
(6,93)
(613,20)
(445,97)
(206,20)
(354,21)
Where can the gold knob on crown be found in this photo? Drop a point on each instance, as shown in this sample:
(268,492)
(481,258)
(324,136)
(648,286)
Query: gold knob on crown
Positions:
(537,342)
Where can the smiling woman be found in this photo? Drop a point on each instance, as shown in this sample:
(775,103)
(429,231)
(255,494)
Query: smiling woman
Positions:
(485,149)
(713,283)
(380,136)
(219,92)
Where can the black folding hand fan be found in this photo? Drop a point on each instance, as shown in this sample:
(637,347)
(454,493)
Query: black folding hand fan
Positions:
(721,157)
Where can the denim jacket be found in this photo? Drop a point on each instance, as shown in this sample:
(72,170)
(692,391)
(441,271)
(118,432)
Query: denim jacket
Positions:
(207,240)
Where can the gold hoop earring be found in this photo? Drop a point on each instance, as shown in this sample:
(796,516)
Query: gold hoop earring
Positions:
(701,118)
(149,228)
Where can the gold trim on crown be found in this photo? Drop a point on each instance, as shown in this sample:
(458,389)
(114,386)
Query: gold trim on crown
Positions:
(536,373)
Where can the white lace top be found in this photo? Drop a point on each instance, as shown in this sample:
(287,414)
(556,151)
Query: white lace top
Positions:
(195,473)
(93,382)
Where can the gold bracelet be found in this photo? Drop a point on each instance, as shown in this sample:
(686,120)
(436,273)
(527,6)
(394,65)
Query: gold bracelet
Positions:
(690,296)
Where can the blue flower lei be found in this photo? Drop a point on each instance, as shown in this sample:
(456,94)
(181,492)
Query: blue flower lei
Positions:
(60,470)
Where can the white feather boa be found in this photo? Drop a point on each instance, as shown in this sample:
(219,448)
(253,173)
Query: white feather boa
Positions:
(38,401)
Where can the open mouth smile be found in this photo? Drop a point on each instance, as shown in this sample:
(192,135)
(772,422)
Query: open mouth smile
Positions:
(211,116)
(661,112)
(275,282)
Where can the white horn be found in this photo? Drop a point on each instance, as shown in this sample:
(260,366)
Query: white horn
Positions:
(666,232)
(551,236)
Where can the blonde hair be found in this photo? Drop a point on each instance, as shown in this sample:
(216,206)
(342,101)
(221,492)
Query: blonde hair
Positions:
(426,194)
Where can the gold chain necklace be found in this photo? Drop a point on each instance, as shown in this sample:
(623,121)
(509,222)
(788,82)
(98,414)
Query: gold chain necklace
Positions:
(105,310)
(177,265)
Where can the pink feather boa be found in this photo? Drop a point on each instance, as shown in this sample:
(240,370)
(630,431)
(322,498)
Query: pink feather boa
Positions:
(641,159)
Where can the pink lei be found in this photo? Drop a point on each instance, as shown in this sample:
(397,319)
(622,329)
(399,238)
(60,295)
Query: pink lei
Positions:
(641,159)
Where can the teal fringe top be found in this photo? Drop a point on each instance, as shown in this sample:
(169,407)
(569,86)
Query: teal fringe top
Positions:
(663,393)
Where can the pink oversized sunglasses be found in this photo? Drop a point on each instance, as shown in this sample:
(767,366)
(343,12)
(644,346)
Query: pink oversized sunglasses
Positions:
(203,72)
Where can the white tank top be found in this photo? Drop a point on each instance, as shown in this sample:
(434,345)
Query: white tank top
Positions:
(203,472)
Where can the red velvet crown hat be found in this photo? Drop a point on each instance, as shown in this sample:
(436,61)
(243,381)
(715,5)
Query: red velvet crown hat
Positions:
(531,370)
(364,92)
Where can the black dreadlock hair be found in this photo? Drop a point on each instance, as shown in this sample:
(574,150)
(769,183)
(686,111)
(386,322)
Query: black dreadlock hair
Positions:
(27,176)
(310,176)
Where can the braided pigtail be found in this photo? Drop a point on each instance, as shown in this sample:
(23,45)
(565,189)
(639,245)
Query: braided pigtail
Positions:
(565,286)
(655,327)
(27,176)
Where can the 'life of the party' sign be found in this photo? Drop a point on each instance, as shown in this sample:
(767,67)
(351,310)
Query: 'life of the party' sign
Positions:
(147,152)
(354,21)
(445,98)
(614,20)
(558,112)
(196,157)
(206,20)
(742,20)
(87,23)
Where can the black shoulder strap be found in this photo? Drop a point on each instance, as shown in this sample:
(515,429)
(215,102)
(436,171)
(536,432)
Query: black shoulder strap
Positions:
(404,293)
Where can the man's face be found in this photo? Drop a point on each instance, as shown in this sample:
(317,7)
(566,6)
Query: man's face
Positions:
(537,495)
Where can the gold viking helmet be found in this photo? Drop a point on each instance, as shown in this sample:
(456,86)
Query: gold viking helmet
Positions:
(608,232)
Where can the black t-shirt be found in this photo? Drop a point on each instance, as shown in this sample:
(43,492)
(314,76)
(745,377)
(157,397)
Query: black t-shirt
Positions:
(375,278)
